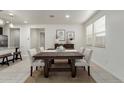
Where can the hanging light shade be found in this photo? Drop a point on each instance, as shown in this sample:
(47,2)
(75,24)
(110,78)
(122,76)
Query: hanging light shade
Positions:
(11,25)
(1,22)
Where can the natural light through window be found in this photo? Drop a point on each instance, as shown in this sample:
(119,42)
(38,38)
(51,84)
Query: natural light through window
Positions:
(99,32)
(89,34)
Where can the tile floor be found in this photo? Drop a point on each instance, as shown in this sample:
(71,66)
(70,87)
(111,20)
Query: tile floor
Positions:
(18,72)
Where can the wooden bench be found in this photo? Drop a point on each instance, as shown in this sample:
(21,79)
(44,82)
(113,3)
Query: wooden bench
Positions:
(17,55)
(4,58)
(10,55)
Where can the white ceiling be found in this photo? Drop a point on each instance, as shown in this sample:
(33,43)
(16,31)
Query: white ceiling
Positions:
(42,16)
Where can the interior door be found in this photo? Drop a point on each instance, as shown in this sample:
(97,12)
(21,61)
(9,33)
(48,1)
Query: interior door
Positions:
(14,37)
(42,39)
(37,37)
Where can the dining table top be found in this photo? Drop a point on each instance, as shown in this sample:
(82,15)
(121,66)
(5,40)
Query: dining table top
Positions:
(49,55)
(69,54)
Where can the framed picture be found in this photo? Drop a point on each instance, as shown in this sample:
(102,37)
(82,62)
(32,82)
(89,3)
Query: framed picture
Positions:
(60,34)
(70,35)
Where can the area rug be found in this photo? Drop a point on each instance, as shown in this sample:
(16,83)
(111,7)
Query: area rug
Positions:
(60,77)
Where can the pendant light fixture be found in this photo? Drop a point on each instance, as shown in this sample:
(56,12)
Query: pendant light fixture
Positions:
(11,18)
(11,25)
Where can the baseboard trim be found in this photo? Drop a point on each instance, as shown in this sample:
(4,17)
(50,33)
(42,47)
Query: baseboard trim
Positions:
(106,69)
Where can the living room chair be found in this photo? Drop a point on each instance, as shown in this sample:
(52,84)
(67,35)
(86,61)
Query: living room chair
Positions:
(34,63)
(85,62)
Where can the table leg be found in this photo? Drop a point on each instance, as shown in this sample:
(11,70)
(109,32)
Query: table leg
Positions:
(3,61)
(73,67)
(16,56)
(46,68)
(69,61)
(52,61)
(20,56)
(7,61)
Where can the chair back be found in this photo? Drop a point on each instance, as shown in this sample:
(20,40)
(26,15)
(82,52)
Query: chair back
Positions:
(42,49)
(88,54)
(82,49)
(31,53)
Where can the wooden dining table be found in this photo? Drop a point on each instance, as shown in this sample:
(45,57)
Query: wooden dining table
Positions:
(51,55)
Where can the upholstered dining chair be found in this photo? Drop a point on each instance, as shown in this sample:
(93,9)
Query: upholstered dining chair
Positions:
(81,50)
(34,63)
(86,60)
(42,49)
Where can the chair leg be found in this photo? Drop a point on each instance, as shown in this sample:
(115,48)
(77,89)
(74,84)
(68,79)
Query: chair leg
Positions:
(36,67)
(31,70)
(89,70)
(84,68)
(52,61)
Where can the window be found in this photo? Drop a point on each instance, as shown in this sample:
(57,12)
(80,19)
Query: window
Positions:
(89,34)
(95,33)
(99,32)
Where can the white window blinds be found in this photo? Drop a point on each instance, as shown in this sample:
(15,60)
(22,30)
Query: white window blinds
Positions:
(99,32)
(89,34)
(96,32)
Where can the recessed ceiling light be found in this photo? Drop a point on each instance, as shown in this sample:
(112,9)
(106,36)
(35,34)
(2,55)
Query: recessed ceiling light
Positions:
(51,16)
(67,16)
(25,22)
(11,14)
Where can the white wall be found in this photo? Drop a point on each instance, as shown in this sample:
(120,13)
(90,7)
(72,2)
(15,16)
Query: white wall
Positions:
(35,38)
(15,37)
(112,56)
(24,37)
(50,34)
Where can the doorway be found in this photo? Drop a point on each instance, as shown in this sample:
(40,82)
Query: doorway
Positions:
(37,37)
(42,39)
(14,37)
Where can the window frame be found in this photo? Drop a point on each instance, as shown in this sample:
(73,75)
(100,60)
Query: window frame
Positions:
(103,31)
(89,35)
(95,33)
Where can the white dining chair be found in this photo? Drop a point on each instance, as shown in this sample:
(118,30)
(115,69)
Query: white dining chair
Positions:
(42,49)
(34,63)
(85,62)
(81,50)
